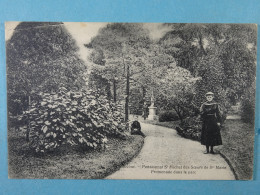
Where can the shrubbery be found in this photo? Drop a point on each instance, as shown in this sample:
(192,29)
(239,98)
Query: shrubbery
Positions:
(190,128)
(168,116)
(248,111)
(82,118)
(248,105)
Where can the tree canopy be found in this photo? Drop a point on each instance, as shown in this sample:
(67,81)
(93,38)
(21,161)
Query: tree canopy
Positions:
(223,56)
(41,57)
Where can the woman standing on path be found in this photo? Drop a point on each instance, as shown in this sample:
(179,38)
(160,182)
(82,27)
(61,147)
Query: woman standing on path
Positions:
(210,114)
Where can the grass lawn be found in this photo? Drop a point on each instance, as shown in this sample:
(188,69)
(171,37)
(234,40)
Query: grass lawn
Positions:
(238,147)
(68,163)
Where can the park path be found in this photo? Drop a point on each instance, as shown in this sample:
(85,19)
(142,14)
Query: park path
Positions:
(166,155)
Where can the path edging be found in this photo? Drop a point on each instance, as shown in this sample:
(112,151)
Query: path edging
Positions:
(125,162)
(229,164)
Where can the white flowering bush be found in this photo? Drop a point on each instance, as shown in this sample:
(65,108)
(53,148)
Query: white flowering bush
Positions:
(83,118)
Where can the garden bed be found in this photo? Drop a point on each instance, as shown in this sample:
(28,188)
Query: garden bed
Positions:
(69,163)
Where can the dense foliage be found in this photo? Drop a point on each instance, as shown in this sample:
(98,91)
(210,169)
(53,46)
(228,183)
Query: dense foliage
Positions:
(168,116)
(190,128)
(210,57)
(41,56)
(83,118)
(48,92)
(127,58)
(176,90)
(118,47)
(248,105)
(223,55)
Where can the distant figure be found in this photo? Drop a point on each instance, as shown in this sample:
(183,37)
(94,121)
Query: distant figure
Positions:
(145,110)
(210,114)
(136,127)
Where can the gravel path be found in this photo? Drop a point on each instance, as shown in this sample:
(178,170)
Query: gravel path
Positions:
(166,155)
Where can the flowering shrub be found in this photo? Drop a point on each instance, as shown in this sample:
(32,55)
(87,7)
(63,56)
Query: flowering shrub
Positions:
(82,118)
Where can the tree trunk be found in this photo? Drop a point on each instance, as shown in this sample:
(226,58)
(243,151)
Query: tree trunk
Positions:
(28,124)
(108,90)
(144,93)
(114,88)
(201,45)
(127,93)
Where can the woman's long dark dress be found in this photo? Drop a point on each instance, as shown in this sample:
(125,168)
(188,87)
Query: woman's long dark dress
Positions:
(210,134)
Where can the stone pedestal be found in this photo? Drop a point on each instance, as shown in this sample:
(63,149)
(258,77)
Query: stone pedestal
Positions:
(152,113)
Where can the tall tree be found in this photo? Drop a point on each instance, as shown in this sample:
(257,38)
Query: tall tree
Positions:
(123,48)
(41,57)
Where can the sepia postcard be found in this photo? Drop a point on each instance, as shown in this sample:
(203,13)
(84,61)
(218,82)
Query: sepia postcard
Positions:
(150,101)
